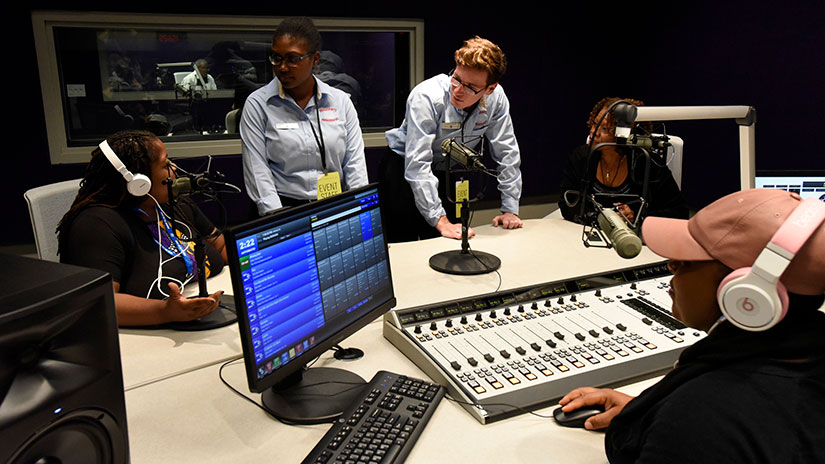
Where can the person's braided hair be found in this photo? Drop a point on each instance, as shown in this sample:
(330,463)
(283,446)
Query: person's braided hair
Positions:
(102,185)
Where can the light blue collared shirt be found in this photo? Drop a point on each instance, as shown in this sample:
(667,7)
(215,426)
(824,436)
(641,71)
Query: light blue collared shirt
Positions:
(430,118)
(280,152)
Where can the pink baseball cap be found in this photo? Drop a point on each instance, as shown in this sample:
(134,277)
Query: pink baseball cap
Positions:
(734,230)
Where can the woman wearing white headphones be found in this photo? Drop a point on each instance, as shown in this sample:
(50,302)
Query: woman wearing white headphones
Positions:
(750,270)
(118,224)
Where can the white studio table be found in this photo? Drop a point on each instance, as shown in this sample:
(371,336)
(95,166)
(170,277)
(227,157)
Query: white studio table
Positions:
(152,355)
(178,410)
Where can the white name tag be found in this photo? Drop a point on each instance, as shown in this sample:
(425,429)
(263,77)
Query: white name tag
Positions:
(286,125)
(450,125)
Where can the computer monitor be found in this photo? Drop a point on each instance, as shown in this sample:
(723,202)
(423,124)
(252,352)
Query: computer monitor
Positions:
(808,183)
(304,279)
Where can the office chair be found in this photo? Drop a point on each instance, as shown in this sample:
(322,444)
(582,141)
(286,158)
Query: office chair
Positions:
(674,158)
(231,122)
(47,205)
(180,75)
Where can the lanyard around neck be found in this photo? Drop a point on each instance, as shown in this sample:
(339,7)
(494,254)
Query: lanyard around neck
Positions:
(188,261)
(319,136)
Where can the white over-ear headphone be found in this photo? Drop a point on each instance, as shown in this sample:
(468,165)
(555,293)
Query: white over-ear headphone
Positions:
(136,184)
(753,298)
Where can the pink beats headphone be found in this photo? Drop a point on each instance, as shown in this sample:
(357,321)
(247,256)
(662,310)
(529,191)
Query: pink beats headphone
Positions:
(753,298)
(136,184)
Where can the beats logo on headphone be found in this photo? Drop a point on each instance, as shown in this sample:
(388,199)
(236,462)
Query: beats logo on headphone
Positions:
(136,184)
(753,298)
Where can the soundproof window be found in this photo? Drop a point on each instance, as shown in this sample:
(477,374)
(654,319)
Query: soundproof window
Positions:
(187,78)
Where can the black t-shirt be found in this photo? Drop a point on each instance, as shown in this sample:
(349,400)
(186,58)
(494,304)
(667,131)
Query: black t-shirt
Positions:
(664,197)
(735,397)
(120,243)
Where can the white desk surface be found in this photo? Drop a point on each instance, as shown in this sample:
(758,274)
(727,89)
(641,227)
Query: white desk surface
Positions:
(544,250)
(152,355)
(177,412)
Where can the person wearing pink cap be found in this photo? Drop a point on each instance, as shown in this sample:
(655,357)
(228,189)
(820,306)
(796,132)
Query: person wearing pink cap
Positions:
(749,269)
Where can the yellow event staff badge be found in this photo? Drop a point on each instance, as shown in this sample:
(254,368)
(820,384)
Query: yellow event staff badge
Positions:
(462,192)
(329,185)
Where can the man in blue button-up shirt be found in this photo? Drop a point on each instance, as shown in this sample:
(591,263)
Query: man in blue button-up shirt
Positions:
(465,105)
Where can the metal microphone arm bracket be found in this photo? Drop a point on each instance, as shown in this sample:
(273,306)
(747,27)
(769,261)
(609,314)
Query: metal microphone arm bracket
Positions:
(448,176)
(745,117)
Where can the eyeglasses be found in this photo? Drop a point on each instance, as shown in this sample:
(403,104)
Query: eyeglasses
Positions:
(456,82)
(291,61)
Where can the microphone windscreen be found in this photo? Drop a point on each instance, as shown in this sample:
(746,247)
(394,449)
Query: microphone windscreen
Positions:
(181,185)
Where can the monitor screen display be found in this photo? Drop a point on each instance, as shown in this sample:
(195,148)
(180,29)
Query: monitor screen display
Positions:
(808,184)
(305,278)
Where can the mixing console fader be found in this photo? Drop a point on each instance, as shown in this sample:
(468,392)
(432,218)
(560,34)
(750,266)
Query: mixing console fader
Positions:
(509,352)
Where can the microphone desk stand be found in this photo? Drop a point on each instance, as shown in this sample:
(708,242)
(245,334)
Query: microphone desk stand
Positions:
(464,261)
(224,314)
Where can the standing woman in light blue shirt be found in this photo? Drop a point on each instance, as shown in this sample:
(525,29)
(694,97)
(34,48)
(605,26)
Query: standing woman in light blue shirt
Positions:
(298,131)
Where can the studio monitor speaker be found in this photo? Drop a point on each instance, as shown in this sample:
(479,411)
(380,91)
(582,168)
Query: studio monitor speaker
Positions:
(61,385)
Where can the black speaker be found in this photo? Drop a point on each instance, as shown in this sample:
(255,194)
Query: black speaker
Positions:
(61,385)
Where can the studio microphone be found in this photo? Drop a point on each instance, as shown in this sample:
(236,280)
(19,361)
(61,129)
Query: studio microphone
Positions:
(462,154)
(190,184)
(625,241)
(649,141)
(193,183)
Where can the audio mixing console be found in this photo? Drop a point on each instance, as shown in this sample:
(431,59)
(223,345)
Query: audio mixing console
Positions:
(517,350)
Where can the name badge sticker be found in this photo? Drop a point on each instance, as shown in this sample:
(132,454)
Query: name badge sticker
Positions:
(329,185)
(450,125)
(286,125)
(462,192)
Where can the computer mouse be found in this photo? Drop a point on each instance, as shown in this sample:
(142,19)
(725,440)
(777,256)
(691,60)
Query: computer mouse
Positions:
(576,417)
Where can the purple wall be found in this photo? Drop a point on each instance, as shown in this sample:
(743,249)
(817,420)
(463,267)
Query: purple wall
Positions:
(560,65)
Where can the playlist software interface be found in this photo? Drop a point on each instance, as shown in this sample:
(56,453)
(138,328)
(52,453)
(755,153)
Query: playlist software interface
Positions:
(306,278)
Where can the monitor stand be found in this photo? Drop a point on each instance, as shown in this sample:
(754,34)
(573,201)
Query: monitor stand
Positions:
(313,396)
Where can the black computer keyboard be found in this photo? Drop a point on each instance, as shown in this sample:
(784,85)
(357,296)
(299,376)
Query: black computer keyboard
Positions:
(383,425)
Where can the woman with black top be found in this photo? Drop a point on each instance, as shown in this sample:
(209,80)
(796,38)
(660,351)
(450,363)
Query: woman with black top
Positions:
(753,390)
(132,238)
(618,171)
